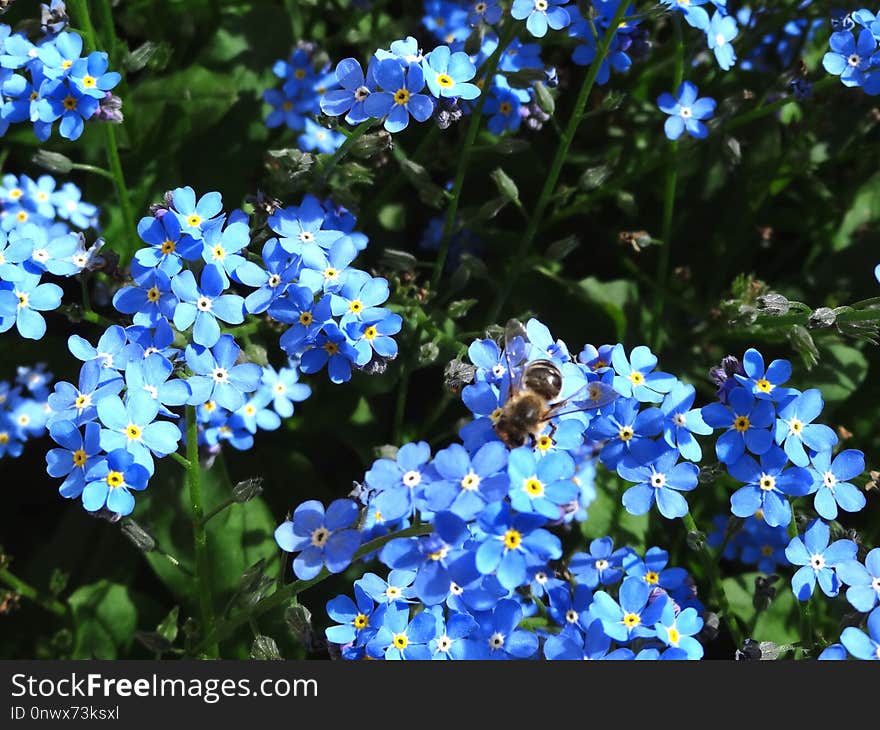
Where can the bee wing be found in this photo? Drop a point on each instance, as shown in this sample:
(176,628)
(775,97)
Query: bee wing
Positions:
(516,352)
(591,395)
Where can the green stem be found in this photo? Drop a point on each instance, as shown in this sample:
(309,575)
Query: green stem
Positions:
(184,462)
(520,258)
(805,618)
(465,154)
(344,149)
(291,590)
(668,201)
(28,591)
(200,535)
(217,510)
(711,567)
(94,169)
(79,9)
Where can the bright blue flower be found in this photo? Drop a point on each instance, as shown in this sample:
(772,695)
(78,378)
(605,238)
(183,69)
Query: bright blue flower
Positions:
(358,620)
(395,589)
(831,482)
(59,101)
(202,305)
(695,15)
(452,638)
(767,486)
(373,335)
(223,247)
(132,426)
(485,11)
(850,58)
(864,645)
(678,629)
(306,316)
(255,414)
(359,297)
(653,569)
(70,207)
(660,482)
(195,216)
(595,646)
(75,457)
(153,375)
(541,485)
(603,565)
(38,251)
(401,95)
(764,383)
(795,428)
(298,228)
(112,349)
(863,581)
(539,14)
(79,404)
(285,389)
(150,299)
(503,106)
(89,75)
(626,430)
(321,539)
(721,31)
(636,613)
(399,638)
(31,298)
(500,637)
(331,348)
(447,74)
(747,421)
(270,282)
(819,559)
(682,421)
(109,481)
(356,89)
(325,271)
(316,138)
(570,608)
(507,539)
(465,484)
(401,482)
(59,55)
(635,377)
(217,377)
(686,111)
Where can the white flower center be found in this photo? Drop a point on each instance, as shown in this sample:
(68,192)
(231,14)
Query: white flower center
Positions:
(470,482)
(720,40)
(829,480)
(455,589)
(106,358)
(412,478)
(444,644)
(220,375)
(498,370)
(541,578)
(40,254)
(679,419)
(496,641)
(854,60)
(601,564)
(817,561)
(319,536)
(571,616)
(151,389)
(203,304)
(685,112)
(658,480)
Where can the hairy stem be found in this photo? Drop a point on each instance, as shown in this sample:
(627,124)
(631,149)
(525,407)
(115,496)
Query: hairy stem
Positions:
(32,594)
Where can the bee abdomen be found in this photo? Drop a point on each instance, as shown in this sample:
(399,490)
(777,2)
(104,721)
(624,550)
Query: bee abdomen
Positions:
(544,378)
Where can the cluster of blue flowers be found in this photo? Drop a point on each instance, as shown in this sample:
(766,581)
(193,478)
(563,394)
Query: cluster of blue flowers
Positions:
(853,55)
(38,237)
(51,81)
(489,507)
(184,291)
(23,408)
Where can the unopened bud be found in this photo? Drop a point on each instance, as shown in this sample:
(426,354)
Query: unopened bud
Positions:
(139,537)
(246,490)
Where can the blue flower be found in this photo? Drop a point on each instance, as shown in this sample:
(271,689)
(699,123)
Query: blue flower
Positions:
(30,298)
(150,299)
(75,457)
(373,335)
(270,282)
(217,377)
(452,638)
(626,430)
(166,246)
(90,76)
(831,482)
(635,377)
(863,581)
(302,227)
(682,421)
(79,404)
(447,74)
(222,246)
(695,15)
(850,58)
(60,54)
(285,389)
(764,383)
(400,482)
(356,89)
(860,644)
(721,31)
(570,608)
(503,106)
(446,20)
(194,216)
(59,101)
(819,559)
(541,485)
(325,271)
(767,486)
(316,138)
(660,481)
(603,565)
(400,638)
(687,112)
(395,589)
(112,349)
(201,306)
(485,11)
(331,348)
(307,316)
(132,426)
(585,54)
(634,616)
(109,481)
(653,570)
(465,484)
(358,620)
(539,14)
(747,421)
(321,539)
(500,637)
(152,375)
(508,539)
(400,97)
(678,629)
(795,428)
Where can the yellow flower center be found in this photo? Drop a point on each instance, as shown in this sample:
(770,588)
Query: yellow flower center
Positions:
(69,103)
(636,378)
(370,333)
(66,64)
(361,621)
(764,385)
(23,300)
(331,274)
(741,424)
(534,487)
(153,294)
(400,641)
(89,82)
(401,97)
(505,108)
(133,432)
(512,539)
(83,400)
(444,81)
(674,636)
(168,247)
(115,479)
(544,443)
(652,577)
(305,318)
(331,348)
(631,620)
(194,220)
(626,433)
(355,306)
(79,458)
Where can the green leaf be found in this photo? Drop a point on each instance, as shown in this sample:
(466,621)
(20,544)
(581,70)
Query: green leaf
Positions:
(607,516)
(776,624)
(105,618)
(841,370)
(864,209)
(611,297)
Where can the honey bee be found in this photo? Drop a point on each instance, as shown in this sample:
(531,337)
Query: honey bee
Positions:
(533,392)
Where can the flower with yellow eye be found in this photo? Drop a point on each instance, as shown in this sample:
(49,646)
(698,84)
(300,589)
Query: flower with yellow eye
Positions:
(634,615)
(400,96)
(284,386)
(374,336)
(635,376)
(447,74)
(149,299)
(78,404)
(748,422)
(110,481)
(305,317)
(75,457)
(357,621)
(91,77)
(132,426)
(765,383)
(195,215)
(399,637)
